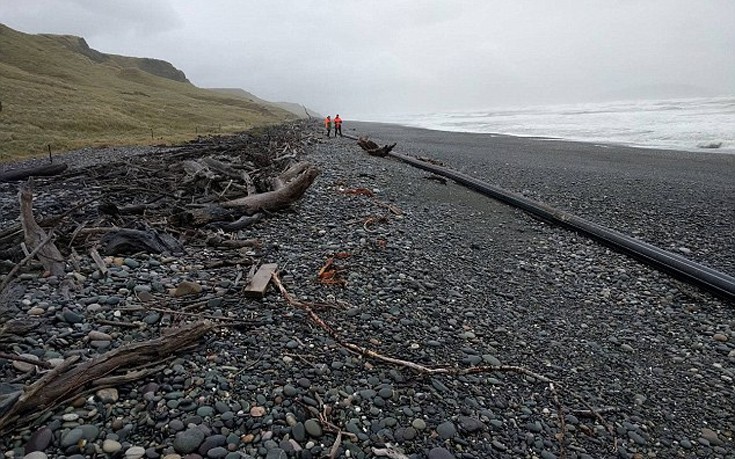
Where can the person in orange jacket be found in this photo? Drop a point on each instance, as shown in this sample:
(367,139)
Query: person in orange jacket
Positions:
(337,126)
(328,125)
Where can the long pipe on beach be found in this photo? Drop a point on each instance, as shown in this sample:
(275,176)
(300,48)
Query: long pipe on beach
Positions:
(687,270)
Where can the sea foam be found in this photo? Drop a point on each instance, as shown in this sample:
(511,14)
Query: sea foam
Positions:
(701,124)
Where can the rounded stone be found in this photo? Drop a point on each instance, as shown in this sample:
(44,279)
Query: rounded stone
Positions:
(24,366)
(134,452)
(95,335)
(419,424)
(111,446)
(299,432)
(108,395)
(36,455)
(188,441)
(440,453)
(313,428)
(40,440)
(71,437)
(446,430)
(218,452)
(257,411)
(289,390)
(205,411)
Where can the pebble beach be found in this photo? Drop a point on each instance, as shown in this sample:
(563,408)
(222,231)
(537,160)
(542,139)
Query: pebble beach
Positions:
(631,362)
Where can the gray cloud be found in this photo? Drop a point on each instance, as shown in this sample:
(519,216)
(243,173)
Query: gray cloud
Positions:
(397,56)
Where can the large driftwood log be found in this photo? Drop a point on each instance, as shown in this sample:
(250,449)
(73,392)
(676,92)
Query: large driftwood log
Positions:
(16,175)
(289,192)
(48,254)
(373,149)
(289,187)
(66,381)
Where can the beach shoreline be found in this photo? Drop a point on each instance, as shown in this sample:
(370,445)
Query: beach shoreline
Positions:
(434,274)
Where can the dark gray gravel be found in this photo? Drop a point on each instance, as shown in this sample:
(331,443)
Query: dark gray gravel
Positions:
(456,279)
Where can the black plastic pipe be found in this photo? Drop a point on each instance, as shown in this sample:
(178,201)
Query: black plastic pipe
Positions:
(689,271)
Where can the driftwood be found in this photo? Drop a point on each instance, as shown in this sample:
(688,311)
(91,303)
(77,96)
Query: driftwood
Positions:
(259,283)
(36,237)
(373,149)
(290,190)
(67,381)
(241,223)
(129,241)
(231,172)
(109,208)
(289,187)
(17,175)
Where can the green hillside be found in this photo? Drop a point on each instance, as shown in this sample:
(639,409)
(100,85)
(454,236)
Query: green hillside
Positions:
(57,91)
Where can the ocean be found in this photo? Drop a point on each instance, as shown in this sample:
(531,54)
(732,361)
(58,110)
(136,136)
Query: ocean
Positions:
(701,124)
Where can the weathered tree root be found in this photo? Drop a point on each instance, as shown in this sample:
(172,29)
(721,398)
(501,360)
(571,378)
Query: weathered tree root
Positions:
(66,380)
(554,386)
(373,149)
(36,237)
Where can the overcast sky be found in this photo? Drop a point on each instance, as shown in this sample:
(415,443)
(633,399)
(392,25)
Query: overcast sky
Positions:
(366,57)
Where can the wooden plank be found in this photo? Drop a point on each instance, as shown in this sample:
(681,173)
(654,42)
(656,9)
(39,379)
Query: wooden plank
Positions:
(259,283)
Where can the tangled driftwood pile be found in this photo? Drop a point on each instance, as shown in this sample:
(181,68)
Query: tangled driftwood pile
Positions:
(155,203)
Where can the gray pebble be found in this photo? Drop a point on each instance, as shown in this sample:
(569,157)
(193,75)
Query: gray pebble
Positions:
(446,430)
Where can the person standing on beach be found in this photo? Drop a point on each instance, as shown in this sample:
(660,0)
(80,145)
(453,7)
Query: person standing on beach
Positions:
(337,125)
(328,125)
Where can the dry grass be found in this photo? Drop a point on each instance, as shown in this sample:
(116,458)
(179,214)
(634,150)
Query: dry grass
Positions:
(55,95)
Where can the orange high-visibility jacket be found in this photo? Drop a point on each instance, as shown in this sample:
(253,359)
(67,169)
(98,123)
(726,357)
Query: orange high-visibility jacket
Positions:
(327,122)
(337,121)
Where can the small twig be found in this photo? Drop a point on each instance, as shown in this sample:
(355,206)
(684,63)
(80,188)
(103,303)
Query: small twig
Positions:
(335,447)
(196,314)
(596,415)
(389,452)
(196,304)
(252,364)
(118,323)
(300,357)
(392,208)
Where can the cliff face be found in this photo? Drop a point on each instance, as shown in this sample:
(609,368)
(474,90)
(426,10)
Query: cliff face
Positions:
(161,68)
(155,67)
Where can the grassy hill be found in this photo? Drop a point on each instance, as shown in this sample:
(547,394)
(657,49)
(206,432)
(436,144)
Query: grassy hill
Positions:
(57,91)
